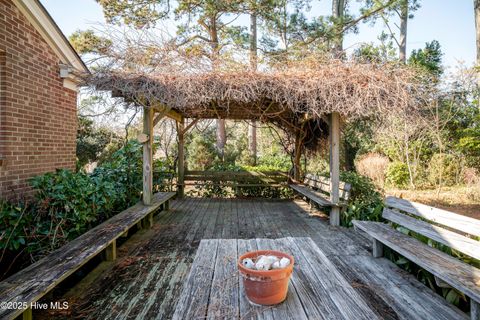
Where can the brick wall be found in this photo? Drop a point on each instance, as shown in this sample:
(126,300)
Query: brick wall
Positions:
(37,114)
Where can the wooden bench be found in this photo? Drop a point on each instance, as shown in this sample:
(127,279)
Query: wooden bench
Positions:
(32,283)
(317,189)
(441,226)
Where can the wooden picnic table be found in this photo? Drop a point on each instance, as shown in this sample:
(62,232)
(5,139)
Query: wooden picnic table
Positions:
(317,290)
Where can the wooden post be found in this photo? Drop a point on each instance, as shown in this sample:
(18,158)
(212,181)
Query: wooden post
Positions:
(377,249)
(27,314)
(334,138)
(111,251)
(147,156)
(181,158)
(474,310)
(297,156)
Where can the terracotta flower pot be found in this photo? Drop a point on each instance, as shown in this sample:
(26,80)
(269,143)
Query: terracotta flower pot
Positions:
(265,287)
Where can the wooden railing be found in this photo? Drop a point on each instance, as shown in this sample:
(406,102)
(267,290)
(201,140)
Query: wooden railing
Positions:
(237,178)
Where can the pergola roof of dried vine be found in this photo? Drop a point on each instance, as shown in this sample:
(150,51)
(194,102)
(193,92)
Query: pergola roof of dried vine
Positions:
(284,96)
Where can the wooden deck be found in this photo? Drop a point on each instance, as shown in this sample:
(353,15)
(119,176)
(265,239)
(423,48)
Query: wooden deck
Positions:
(147,279)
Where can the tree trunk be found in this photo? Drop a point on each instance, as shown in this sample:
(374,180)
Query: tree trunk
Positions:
(338,9)
(221,138)
(476,5)
(252,129)
(252,141)
(253,41)
(220,123)
(402,49)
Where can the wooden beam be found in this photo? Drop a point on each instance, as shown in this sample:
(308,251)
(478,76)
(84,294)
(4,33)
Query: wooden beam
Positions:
(157,119)
(181,158)
(190,125)
(334,138)
(174,115)
(162,109)
(147,156)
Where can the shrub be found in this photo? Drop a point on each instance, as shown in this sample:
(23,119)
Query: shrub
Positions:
(274,162)
(397,174)
(365,202)
(15,219)
(374,166)
(444,169)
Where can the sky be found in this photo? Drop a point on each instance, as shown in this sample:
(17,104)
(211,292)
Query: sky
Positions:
(451,22)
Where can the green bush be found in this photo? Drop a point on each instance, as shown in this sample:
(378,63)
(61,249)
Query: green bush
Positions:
(365,202)
(69,203)
(397,174)
(15,219)
(444,169)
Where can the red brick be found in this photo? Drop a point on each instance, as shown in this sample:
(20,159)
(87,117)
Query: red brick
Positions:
(37,114)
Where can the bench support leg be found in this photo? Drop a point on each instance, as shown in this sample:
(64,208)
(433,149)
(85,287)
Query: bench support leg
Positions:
(166,205)
(27,314)
(474,310)
(377,249)
(335,216)
(111,251)
(148,221)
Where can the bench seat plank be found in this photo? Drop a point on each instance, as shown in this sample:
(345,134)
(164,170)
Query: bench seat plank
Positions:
(33,282)
(443,217)
(459,275)
(449,238)
(312,195)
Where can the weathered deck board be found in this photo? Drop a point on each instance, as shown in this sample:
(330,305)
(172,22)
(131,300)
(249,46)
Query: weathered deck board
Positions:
(198,284)
(313,268)
(385,287)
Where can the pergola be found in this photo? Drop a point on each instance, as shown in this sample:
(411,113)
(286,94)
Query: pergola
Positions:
(301,100)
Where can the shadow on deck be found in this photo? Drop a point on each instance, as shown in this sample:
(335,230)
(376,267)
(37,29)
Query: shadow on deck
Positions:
(146,280)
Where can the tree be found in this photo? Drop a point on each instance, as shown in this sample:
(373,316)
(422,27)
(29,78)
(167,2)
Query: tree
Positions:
(92,142)
(403,10)
(88,42)
(428,58)
(476,5)
(252,128)
(203,29)
(338,12)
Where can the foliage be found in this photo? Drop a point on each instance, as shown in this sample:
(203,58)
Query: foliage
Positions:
(94,144)
(15,220)
(365,202)
(397,174)
(428,58)
(88,42)
(374,166)
(69,203)
(274,162)
(384,52)
(201,153)
(444,170)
